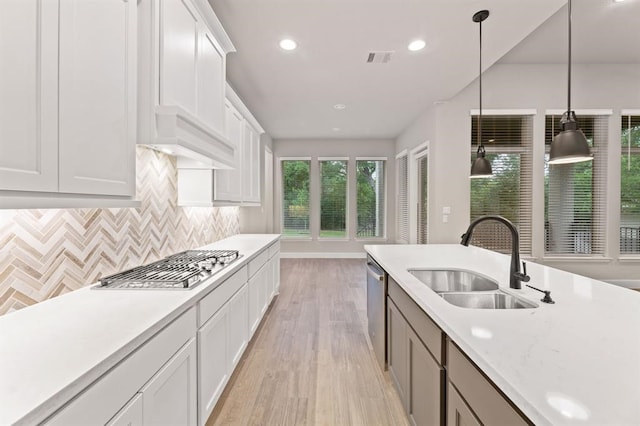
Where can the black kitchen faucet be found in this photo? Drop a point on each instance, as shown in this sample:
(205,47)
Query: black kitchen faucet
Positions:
(515,276)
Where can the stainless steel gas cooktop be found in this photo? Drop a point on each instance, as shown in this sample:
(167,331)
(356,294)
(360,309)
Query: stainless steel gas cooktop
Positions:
(181,271)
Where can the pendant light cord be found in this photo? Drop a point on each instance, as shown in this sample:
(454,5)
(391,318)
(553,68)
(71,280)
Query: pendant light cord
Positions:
(569,63)
(480,80)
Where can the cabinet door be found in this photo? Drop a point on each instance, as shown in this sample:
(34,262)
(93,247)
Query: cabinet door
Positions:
(238,325)
(228,183)
(211,78)
(458,412)
(130,415)
(257,297)
(97,96)
(397,349)
(179,41)
(425,379)
(276,273)
(170,397)
(251,165)
(29,85)
(213,364)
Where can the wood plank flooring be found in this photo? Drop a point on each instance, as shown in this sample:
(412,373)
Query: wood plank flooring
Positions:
(310,362)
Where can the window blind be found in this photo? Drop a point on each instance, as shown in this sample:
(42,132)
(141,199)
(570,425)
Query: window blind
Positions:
(333,198)
(370,189)
(508,142)
(295,198)
(423,202)
(575,193)
(630,185)
(402,207)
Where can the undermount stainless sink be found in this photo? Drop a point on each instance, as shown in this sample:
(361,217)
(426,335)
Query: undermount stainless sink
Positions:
(453,280)
(491,300)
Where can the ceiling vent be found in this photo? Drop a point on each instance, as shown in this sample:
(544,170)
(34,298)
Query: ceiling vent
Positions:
(380,57)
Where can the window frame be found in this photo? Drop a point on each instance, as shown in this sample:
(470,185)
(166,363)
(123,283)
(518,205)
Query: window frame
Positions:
(604,199)
(347,201)
(305,238)
(386,193)
(635,255)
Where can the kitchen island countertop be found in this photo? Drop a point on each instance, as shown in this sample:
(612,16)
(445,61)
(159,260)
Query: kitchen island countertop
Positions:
(574,362)
(55,349)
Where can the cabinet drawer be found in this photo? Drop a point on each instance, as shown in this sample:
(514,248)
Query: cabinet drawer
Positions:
(210,304)
(479,393)
(274,249)
(425,328)
(101,400)
(257,262)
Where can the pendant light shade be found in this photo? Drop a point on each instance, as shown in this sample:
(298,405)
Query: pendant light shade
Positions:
(570,145)
(481,167)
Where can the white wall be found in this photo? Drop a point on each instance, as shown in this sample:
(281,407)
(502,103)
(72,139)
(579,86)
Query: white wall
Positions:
(335,148)
(524,86)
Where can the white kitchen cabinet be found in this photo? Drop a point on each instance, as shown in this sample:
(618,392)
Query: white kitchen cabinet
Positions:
(68,110)
(165,361)
(258,302)
(170,396)
(211,81)
(29,84)
(213,368)
(250,165)
(97,97)
(228,183)
(131,414)
(182,60)
(238,326)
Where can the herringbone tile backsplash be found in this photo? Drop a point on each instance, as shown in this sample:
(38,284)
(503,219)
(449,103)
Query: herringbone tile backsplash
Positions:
(45,253)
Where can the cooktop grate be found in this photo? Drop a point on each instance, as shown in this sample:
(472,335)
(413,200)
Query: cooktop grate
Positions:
(181,270)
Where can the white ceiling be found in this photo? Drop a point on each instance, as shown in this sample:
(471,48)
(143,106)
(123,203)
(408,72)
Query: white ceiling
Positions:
(603,32)
(292,93)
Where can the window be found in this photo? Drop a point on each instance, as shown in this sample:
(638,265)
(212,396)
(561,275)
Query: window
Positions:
(333,198)
(370,187)
(402,212)
(630,185)
(575,193)
(423,175)
(295,199)
(508,142)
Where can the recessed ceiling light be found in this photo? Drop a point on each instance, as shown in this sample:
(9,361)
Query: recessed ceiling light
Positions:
(288,44)
(339,106)
(416,45)
(336,129)
(618,1)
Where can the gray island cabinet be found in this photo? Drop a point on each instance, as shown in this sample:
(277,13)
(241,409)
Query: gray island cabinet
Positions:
(436,382)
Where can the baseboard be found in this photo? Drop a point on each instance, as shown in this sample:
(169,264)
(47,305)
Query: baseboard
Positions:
(321,255)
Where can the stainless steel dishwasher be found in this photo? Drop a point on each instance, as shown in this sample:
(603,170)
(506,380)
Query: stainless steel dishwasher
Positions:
(377,309)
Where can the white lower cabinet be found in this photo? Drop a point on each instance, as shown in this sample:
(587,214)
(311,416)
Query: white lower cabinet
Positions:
(258,302)
(130,415)
(169,398)
(238,325)
(213,365)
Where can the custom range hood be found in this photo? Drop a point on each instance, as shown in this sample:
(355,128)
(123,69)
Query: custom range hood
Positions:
(182,50)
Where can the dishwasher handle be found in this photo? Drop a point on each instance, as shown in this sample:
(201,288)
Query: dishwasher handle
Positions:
(374,272)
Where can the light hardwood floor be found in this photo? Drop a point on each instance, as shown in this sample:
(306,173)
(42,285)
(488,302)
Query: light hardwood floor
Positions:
(310,362)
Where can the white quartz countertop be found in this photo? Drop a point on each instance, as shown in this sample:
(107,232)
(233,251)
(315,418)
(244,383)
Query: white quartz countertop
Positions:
(574,362)
(51,351)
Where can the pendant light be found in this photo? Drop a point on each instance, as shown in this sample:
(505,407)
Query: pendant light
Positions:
(481,167)
(570,145)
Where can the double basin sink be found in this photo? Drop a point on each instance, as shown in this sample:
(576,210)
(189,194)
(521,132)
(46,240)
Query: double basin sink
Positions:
(467,289)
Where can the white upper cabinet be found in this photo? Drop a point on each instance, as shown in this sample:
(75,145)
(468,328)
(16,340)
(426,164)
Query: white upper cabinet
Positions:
(97,96)
(182,60)
(251,163)
(228,183)
(68,104)
(211,81)
(28,105)
(179,50)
